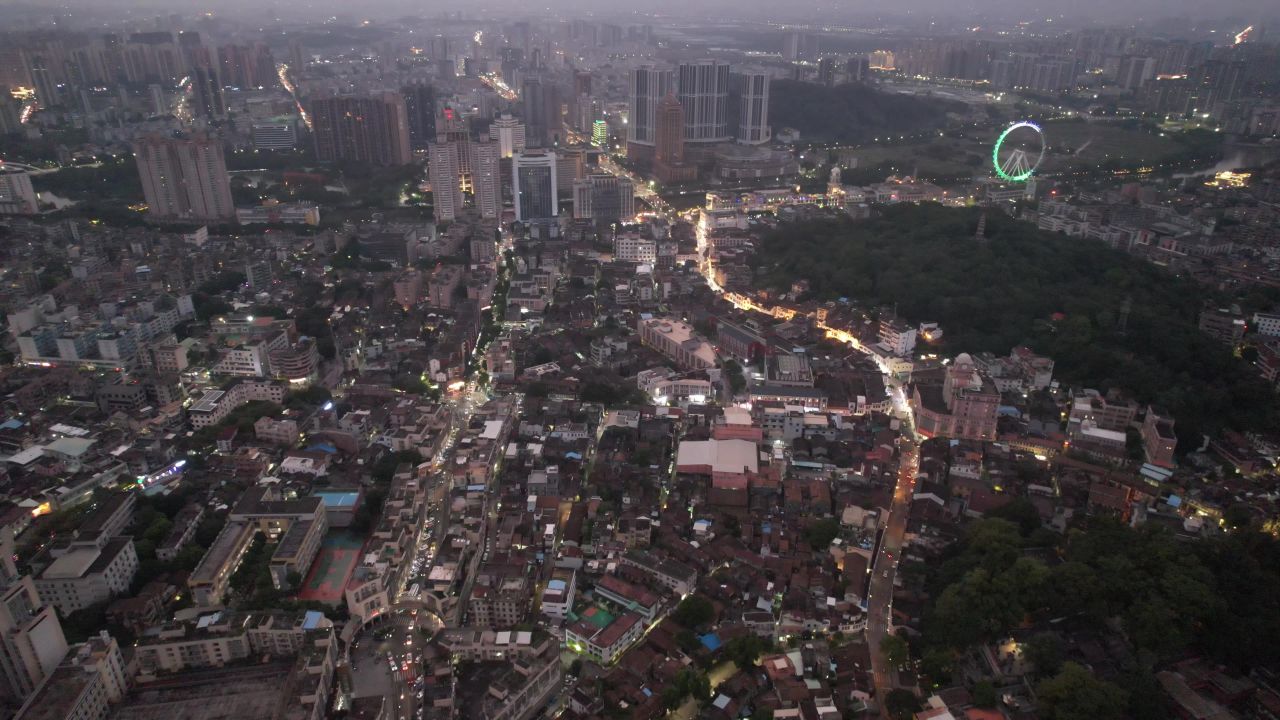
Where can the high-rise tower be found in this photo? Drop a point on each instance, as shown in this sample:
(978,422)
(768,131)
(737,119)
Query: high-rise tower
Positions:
(703,90)
(185,178)
(649,85)
(372,129)
(533,185)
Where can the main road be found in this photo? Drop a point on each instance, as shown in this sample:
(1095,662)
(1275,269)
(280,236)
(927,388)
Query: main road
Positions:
(884,571)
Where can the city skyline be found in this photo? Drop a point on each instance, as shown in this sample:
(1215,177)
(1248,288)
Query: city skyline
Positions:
(711,361)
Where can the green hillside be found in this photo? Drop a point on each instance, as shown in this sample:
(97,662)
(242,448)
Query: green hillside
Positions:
(1006,291)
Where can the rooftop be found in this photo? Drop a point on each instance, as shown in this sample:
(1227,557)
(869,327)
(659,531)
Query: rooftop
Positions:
(246,693)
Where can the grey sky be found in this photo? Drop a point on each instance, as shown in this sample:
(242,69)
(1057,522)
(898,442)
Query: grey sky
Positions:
(1073,12)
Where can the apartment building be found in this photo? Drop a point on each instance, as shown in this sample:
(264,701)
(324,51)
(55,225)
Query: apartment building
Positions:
(215,405)
(31,640)
(89,681)
(89,573)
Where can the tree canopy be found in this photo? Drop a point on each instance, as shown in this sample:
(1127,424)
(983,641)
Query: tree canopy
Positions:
(1021,286)
(693,611)
(1075,694)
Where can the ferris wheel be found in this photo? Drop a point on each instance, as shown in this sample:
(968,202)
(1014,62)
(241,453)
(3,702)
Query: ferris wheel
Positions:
(1018,151)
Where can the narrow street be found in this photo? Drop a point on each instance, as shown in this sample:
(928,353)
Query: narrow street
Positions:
(884,571)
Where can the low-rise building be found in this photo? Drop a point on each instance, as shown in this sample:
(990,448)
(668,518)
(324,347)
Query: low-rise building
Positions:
(604,644)
(965,407)
(296,525)
(557,597)
(678,341)
(215,405)
(897,336)
(674,575)
(631,597)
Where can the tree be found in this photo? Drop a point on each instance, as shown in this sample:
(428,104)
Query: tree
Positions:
(1075,694)
(901,704)
(1020,512)
(938,664)
(693,612)
(1237,516)
(984,694)
(894,650)
(1046,652)
(821,532)
(687,641)
(188,557)
(744,650)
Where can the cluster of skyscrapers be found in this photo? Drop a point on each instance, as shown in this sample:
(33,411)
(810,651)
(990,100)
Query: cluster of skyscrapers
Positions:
(678,115)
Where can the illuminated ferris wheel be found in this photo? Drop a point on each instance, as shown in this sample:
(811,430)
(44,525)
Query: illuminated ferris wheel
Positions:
(1018,151)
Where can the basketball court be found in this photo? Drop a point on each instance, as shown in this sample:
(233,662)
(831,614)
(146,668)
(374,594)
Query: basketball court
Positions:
(337,559)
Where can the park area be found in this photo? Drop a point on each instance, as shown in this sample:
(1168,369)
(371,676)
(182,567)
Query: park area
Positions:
(1072,147)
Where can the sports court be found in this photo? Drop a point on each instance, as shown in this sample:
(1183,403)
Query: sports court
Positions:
(333,566)
(595,615)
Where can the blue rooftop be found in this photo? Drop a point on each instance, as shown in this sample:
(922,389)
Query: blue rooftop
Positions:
(312,619)
(338,499)
(711,641)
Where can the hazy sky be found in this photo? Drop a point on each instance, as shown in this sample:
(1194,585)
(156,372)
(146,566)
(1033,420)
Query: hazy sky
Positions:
(812,11)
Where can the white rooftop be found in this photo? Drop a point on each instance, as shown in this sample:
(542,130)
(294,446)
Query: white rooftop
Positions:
(726,456)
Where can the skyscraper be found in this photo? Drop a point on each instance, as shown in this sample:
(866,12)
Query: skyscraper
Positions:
(41,73)
(206,92)
(509,132)
(533,185)
(185,178)
(753,108)
(703,91)
(649,85)
(604,198)
(454,128)
(446,182)
(487,179)
(827,71)
(246,66)
(857,68)
(581,83)
(668,156)
(420,109)
(540,103)
(372,129)
(202,69)
(10,114)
